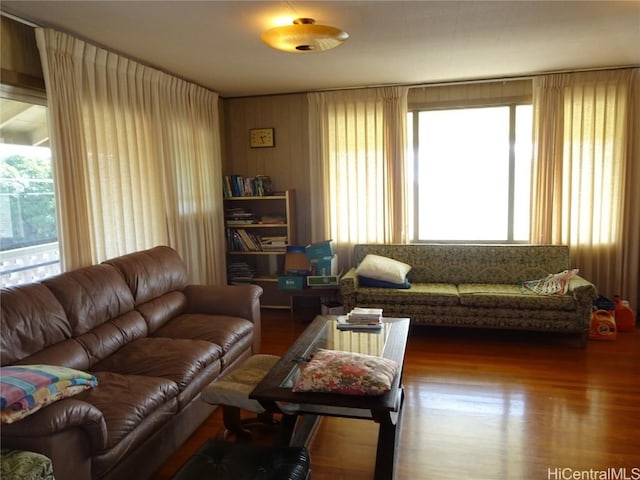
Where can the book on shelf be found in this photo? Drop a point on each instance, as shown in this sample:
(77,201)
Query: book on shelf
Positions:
(240,272)
(273,244)
(269,219)
(345,324)
(241,240)
(235,223)
(239,186)
(248,240)
(239,216)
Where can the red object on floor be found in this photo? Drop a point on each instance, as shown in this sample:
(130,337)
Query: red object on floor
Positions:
(603,326)
(624,315)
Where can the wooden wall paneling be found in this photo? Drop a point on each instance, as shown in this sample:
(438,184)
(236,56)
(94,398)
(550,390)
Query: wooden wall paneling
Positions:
(287,162)
(19,57)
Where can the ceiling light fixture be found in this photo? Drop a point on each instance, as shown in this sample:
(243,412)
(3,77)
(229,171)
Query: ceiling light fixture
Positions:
(304,36)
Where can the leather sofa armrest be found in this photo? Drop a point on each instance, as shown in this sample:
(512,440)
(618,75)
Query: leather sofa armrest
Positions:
(59,416)
(241,301)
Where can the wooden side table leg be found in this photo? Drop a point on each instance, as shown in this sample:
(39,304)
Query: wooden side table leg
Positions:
(287,426)
(233,423)
(388,440)
(267,418)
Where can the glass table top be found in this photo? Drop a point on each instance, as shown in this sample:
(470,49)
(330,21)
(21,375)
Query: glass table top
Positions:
(370,342)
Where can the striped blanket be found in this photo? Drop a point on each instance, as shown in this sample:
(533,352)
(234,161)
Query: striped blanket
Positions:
(25,386)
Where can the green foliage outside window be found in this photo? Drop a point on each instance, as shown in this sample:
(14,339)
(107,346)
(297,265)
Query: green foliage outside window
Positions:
(27,202)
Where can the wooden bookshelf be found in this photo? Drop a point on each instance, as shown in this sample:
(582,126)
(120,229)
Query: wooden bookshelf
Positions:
(249,259)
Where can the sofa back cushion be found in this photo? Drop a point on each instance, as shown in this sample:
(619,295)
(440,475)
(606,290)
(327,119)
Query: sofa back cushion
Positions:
(91,296)
(156,277)
(100,309)
(456,264)
(32,321)
(151,273)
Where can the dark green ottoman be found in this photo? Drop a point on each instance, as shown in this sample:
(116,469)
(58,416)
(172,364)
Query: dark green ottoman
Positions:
(20,465)
(219,460)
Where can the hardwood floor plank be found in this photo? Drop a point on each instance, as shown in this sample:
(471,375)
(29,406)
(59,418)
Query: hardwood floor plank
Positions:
(480,404)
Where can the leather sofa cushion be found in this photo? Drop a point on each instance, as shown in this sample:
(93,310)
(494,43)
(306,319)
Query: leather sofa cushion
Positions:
(127,400)
(91,296)
(222,330)
(68,353)
(178,360)
(32,320)
(512,296)
(105,339)
(160,310)
(234,335)
(152,273)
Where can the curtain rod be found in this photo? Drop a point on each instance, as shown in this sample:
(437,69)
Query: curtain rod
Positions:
(443,83)
(18,19)
(484,80)
(517,77)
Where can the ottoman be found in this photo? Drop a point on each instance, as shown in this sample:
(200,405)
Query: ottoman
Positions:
(219,460)
(232,392)
(21,465)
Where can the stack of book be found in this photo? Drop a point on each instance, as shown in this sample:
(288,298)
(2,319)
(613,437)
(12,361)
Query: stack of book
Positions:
(274,243)
(361,318)
(240,272)
(239,216)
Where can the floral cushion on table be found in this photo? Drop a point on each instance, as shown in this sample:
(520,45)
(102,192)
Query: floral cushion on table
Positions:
(346,373)
(24,389)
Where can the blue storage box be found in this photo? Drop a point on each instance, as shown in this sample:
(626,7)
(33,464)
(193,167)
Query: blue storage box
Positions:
(325,266)
(320,250)
(291,282)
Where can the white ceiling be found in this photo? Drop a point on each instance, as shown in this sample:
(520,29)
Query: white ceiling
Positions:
(217,43)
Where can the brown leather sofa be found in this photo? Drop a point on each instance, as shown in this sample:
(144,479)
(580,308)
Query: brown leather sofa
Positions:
(151,338)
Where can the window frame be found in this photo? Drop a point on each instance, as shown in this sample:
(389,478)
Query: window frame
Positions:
(33,96)
(413,170)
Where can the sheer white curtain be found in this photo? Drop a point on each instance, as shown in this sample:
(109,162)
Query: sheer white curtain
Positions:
(585,179)
(357,165)
(137,159)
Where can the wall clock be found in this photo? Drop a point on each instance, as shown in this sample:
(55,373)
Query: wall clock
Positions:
(261,137)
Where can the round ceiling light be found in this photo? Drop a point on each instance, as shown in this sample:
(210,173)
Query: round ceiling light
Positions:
(304,36)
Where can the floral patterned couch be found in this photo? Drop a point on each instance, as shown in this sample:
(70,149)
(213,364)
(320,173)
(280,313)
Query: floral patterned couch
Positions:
(476,286)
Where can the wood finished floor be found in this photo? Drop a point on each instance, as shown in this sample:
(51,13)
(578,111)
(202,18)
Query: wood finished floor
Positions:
(484,405)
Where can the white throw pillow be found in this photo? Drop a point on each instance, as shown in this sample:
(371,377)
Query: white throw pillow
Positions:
(383,268)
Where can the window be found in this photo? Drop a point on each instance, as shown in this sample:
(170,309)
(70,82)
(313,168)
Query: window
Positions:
(471,173)
(28,233)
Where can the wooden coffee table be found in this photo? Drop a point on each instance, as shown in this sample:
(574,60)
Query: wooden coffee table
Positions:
(303,409)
